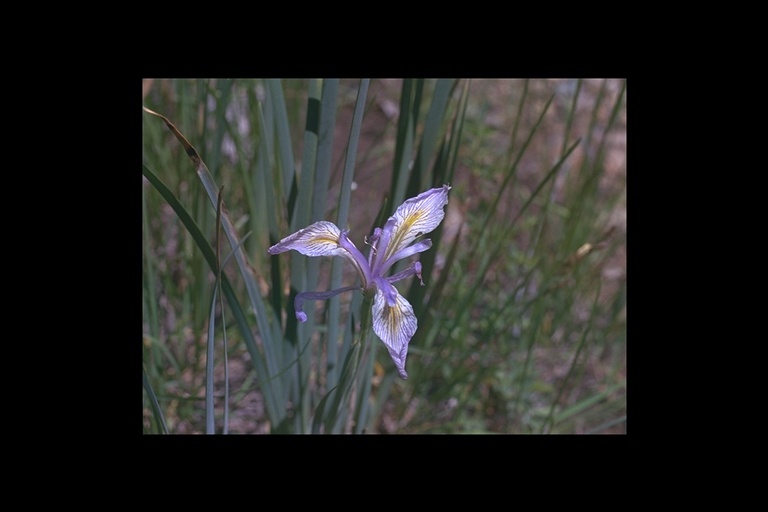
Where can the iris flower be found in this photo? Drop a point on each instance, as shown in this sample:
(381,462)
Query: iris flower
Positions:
(393,319)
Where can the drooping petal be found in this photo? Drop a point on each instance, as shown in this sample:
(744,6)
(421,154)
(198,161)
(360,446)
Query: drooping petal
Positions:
(395,325)
(416,216)
(324,238)
(389,291)
(318,239)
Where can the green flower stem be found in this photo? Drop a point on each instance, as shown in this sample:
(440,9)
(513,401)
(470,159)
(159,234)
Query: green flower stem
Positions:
(348,372)
(366,332)
(365,316)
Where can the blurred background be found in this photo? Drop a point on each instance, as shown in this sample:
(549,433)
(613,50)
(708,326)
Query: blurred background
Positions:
(522,322)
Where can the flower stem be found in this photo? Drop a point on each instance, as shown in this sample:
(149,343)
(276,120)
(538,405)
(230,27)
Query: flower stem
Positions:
(365,319)
(350,367)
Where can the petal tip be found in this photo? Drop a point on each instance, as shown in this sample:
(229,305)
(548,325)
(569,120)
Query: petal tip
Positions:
(301,316)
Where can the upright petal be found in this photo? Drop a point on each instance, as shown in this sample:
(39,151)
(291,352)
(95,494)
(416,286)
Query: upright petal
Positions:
(415,217)
(318,239)
(395,325)
(356,257)
(418,247)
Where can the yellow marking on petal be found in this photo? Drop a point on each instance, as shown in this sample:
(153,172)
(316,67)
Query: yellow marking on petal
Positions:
(417,216)
(413,218)
(318,239)
(323,239)
(404,230)
(395,326)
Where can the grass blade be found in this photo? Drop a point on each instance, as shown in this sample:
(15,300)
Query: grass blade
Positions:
(209,391)
(283,135)
(274,404)
(334,305)
(432,125)
(162,427)
(245,270)
(548,421)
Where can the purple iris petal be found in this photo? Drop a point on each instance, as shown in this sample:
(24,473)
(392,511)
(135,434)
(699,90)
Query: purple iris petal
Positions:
(318,239)
(373,242)
(414,269)
(393,319)
(404,253)
(359,260)
(381,246)
(298,303)
(395,326)
(389,291)
(415,217)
